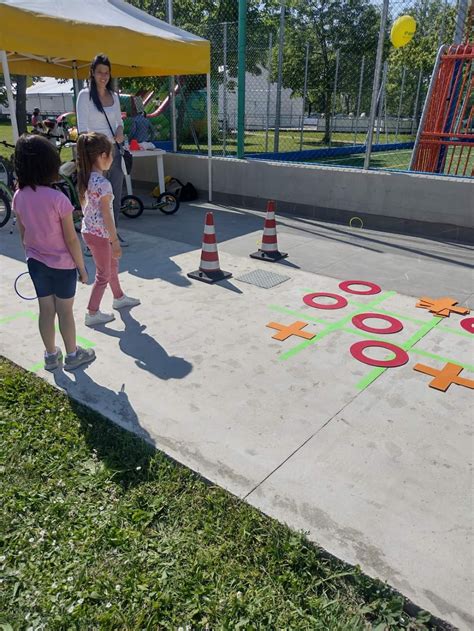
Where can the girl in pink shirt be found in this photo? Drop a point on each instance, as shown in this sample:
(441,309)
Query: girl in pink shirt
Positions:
(52,249)
(94,156)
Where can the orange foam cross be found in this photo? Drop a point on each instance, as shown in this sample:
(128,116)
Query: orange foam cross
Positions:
(445,377)
(284,331)
(442,306)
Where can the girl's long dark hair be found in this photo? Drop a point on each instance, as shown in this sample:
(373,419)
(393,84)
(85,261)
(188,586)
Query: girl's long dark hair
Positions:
(89,147)
(93,94)
(36,161)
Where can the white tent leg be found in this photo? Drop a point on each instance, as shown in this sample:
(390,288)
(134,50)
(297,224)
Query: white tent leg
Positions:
(11,100)
(209,135)
(174,136)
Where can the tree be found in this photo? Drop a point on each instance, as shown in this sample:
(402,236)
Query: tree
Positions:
(350,26)
(21,103)
(19,88)
(435,26)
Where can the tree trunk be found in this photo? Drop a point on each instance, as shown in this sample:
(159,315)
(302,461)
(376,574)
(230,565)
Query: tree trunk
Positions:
(327,118)
(21,103)
(327,86)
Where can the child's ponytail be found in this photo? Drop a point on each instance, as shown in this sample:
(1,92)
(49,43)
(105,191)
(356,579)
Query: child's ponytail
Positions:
(89,147)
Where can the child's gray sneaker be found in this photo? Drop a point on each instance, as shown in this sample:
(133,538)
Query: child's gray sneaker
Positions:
(51,362)
(82,356)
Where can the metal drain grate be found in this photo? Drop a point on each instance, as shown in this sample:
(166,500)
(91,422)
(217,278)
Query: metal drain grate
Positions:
(261,278)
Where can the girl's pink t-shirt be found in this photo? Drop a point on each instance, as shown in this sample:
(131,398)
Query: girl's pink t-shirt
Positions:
(41,212)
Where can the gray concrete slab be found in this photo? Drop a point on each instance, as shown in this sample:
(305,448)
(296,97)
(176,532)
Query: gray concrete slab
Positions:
(374,487)
(430,265)
(376,471)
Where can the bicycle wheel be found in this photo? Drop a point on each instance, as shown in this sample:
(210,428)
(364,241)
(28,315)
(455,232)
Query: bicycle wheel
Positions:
(5,209)
(168,203)
(131,206)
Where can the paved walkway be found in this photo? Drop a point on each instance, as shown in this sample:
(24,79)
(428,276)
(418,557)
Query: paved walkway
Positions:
(371,462)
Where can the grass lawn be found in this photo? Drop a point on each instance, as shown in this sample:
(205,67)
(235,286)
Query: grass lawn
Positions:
(99,531)
(254,142)
(6,133)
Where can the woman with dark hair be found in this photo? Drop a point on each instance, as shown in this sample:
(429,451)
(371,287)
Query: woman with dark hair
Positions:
(98,109)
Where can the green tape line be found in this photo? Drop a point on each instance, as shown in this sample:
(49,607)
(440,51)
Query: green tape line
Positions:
(455,331)
(82,341)
(297,314)
(335,326)
(416,337)
(394,315)
(418,351)
(21,314)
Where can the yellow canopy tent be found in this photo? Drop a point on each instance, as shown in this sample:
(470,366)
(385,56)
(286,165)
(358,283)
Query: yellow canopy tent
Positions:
(59,38)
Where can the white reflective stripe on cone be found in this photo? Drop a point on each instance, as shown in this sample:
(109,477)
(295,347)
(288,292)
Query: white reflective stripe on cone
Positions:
(209,230)
(209,247)
(269,247)
(210,266)
(270,232)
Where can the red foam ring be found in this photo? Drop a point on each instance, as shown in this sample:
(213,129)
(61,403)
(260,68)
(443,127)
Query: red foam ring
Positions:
(209,219)
(209,256)
(401,356)
(209,238)
(373,288)
(270,223)
(340,303)
(468,324)
(358,322)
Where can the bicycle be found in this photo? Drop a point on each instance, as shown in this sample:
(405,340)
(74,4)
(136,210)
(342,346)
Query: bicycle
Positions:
(167,202)
(68,186)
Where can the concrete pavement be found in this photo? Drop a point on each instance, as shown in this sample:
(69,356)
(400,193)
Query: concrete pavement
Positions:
(373,464)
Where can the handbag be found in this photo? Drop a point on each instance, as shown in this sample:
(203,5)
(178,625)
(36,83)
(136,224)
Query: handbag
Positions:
(187,192)
(125,153)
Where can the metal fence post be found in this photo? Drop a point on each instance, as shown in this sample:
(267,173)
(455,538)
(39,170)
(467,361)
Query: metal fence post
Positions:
(334,96)
(241,79)
(460,21)
(269,88)
(400,103)
(375,88)
(359,97)
(276,141)
(415,110)
(224,87)
(174,136)
(304,94)
(381,101)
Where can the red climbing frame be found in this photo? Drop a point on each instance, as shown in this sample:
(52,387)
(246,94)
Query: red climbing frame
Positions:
(445,140)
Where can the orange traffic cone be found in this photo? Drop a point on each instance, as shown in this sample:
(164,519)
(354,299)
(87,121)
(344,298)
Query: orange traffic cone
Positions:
(268,251)
(209,269)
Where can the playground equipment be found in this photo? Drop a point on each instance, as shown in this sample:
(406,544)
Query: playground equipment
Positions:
(446,133)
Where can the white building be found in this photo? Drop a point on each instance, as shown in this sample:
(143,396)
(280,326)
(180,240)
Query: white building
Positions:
(256,95)
(50,96)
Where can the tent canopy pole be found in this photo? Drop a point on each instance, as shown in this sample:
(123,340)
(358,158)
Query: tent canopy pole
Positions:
(11,100)
(209,135)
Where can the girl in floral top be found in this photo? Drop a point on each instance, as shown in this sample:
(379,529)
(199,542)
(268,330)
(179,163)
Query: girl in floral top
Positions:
(94,156)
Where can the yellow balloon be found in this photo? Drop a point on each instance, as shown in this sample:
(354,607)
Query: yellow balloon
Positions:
(402,31)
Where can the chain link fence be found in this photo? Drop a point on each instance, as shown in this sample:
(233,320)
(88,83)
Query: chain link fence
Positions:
(313,89)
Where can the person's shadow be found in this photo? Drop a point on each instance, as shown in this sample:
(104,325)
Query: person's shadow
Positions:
(110,404)
(148,354)
(126,450)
